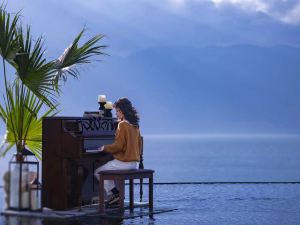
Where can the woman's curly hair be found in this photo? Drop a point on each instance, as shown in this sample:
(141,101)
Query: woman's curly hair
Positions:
(128,110)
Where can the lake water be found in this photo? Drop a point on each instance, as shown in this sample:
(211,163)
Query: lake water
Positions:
(265,158)
(203,204)
(215,159)
(223,158)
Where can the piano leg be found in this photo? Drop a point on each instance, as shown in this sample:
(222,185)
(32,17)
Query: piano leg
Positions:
(82,175)
(101,195)
(80,181)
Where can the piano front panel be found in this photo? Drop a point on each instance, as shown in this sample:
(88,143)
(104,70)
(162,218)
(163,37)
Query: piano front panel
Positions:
(68,160)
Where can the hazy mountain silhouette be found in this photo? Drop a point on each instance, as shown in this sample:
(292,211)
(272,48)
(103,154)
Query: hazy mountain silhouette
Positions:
(240,88)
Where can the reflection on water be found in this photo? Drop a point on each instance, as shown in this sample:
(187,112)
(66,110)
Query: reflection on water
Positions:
(209,204)
(12,220)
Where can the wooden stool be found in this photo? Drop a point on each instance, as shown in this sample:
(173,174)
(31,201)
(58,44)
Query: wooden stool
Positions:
(120,176)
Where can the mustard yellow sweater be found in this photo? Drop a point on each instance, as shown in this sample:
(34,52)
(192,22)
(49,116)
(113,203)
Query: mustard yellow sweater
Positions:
(127,143)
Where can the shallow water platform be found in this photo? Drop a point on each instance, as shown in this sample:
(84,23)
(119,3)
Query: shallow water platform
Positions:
(140,210)
(198,204)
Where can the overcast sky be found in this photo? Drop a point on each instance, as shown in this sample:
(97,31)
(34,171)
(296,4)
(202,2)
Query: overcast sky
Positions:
(130,26)
(133,25)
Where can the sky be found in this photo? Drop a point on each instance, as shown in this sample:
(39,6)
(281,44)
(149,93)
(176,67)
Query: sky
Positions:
(131,28)
(130,25)
(189,66)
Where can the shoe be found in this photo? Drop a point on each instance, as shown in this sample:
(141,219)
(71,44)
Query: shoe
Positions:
(114,205)
(114,199)
(95,200)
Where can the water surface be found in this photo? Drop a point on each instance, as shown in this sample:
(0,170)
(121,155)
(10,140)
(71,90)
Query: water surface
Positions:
(207,204)
(224,158)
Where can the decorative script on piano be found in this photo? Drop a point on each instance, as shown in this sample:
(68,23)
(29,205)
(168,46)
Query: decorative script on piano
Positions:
(93,124)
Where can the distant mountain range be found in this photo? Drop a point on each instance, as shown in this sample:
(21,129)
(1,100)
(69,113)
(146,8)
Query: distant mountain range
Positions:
(234,89)
(243,88)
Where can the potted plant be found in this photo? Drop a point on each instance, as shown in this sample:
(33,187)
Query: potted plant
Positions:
(33,91)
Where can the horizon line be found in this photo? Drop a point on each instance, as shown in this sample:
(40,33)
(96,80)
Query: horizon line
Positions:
(222,135)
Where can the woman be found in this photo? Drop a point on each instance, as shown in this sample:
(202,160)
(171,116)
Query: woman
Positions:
(125,149)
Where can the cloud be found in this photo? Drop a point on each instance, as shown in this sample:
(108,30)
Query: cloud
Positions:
(177,3)
(293,16)
(256,5)
(193,22)
(286,11)
(130,25)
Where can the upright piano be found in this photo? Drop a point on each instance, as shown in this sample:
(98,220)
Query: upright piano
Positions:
(70,156)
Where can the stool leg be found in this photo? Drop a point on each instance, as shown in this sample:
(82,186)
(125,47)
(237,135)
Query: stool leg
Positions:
(131,194)
(141,189)
(122,194)
(151,193)
(101,194)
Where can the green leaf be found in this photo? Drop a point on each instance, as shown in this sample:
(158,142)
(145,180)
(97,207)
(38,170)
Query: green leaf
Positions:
(32,68)
(8,32)
(74,56)
(22,118)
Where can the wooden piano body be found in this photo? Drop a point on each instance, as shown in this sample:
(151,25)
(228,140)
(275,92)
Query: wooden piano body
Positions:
(68,159)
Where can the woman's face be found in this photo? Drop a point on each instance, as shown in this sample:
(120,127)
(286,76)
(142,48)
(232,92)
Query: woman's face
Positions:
(120,114)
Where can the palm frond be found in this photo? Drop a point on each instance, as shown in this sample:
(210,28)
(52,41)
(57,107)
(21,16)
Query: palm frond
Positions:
(6,144)
(3,115)
(25,125)
(8,27)
(74,56)
(37,81)
(34,134)
(32,68)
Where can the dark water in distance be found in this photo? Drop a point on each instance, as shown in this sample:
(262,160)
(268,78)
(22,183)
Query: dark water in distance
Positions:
(223,158)
(231,158)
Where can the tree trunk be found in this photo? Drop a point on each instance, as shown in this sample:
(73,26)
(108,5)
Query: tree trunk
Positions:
(20,147)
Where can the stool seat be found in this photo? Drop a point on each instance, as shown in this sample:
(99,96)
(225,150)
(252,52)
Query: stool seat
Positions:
(120,176)
(126,172)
